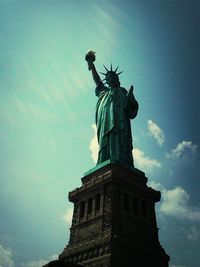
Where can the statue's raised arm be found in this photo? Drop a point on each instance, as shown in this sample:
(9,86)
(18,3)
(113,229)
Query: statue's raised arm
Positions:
(114,110)
(90,58)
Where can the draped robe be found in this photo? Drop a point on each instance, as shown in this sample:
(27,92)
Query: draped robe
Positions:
(114,110)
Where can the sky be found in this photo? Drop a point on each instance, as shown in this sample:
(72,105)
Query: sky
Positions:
(47,116)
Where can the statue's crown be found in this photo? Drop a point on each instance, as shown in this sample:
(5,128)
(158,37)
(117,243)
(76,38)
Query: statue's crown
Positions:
(110,72)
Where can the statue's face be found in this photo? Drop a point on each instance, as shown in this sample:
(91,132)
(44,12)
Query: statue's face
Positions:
(112,79)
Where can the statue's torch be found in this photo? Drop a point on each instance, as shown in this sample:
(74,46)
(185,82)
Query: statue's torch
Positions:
(90,58)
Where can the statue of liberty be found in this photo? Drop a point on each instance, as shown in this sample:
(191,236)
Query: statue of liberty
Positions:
(115,108)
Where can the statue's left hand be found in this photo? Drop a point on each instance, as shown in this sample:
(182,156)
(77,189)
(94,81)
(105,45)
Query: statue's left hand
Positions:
(130,90)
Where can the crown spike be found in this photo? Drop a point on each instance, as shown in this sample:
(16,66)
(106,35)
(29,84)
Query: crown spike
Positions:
(105,68)
(116,69)
(103,73)
(119,73)
(111,67)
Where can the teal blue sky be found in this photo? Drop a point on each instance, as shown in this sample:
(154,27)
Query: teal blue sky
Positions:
(47,113)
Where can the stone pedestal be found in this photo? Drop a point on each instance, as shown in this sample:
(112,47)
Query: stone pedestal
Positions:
(114,222)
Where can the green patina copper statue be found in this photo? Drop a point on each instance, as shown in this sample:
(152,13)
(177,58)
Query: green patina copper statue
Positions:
(115,108)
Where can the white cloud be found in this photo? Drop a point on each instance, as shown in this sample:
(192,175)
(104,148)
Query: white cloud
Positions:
(143,162)
(193,234)
(94,147)
(38,263)
(181,149)
(175,203)
(6,257)
(68,216)
(156,186)
(156,132)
